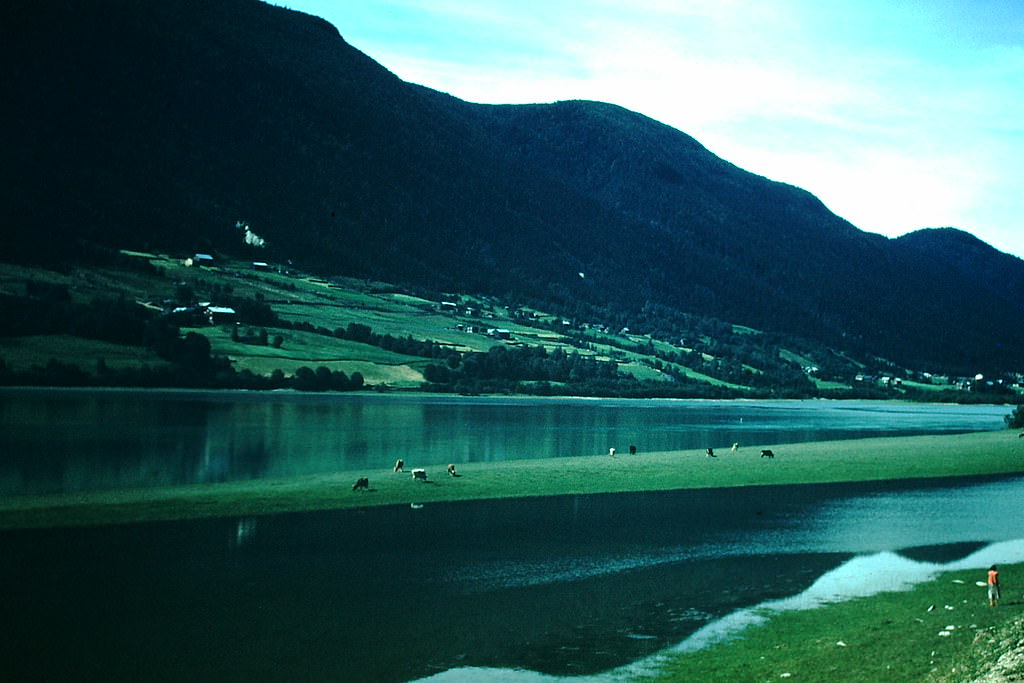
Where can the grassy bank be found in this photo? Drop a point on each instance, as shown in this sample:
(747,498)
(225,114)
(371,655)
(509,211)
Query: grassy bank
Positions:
(885,637)
(999,452)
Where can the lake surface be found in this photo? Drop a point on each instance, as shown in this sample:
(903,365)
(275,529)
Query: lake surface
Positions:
(80,440)
(516,590)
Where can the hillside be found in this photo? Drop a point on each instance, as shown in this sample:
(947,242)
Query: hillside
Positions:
(161,126)
(150,320)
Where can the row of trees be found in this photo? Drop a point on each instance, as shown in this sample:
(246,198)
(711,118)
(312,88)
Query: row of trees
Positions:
(523,363)
(219,376)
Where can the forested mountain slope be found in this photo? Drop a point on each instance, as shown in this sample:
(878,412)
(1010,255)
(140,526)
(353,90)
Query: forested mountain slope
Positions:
(162,125)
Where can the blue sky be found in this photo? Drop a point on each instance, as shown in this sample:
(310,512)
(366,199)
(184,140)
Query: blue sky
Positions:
(898,115)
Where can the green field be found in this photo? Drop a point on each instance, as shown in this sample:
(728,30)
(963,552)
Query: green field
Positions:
(886,637)
(999,452)
(295,298)
(310,316)
(39,349)
(299,349)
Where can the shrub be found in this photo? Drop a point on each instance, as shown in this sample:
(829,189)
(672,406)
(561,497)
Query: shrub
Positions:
(1015,420)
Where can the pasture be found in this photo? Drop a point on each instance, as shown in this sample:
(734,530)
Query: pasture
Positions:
(885,637)
(984,453)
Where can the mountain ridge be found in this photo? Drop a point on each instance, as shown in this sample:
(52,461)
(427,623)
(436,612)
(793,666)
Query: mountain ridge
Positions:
(161,126)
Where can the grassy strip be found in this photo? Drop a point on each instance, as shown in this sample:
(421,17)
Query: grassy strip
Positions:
(885,637)
(997,452)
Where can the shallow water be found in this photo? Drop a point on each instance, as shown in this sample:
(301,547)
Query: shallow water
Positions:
(861,576)
(567,586)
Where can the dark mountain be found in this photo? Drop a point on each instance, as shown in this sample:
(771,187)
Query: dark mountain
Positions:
(967,257)
(159,125)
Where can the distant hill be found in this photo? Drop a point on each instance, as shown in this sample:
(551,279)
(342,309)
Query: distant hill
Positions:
(999,273)
(161,125)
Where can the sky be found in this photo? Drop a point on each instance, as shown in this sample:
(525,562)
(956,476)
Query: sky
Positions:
(897,114)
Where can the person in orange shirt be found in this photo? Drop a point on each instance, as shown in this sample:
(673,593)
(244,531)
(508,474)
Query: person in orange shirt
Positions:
(993,586)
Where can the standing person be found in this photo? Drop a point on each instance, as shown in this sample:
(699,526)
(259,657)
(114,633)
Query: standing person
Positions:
(993,586)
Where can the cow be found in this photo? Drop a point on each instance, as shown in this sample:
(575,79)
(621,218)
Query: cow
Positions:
(419,474)
(362,484)
(710,453)
(399,465)
(451,471)
(767,453)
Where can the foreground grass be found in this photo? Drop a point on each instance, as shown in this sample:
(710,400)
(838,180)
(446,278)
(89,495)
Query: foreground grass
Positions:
(885,637)
(999,452)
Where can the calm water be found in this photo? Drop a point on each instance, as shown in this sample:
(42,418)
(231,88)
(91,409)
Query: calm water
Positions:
(70,440)
(584,586)
(475,591)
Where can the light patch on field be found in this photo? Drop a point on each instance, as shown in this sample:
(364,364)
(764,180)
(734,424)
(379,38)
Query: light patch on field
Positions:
(802,361)
(825,384)
(408,299)
(642,371)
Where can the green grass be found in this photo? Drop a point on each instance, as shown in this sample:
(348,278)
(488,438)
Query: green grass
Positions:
(826,384)
(21,353)
(643,371)
(835,461)
(377,365)
(885,637)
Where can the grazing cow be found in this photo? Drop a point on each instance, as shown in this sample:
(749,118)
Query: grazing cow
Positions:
(1020,435)
(419,474)
(611,452)
(451,471)
(767,453)
(632,449)
(362,484)
(710,453)
(399,465)
(735,446)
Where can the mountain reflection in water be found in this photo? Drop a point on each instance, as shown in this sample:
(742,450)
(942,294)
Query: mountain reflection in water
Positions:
(567,586)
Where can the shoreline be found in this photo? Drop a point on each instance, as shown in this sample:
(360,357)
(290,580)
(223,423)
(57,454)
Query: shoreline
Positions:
(855,460)
(940,630)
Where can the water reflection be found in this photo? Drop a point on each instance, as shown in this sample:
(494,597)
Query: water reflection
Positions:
(567,586)
(76,440)
(245,532)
